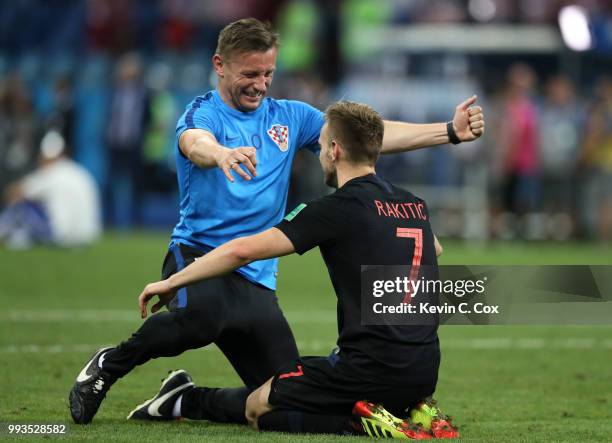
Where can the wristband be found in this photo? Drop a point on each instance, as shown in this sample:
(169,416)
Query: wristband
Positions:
(452,135)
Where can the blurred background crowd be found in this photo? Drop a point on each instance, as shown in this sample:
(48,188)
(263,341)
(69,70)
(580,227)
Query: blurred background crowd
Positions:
(97,86)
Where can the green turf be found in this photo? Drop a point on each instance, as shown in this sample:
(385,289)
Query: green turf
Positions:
(559,392)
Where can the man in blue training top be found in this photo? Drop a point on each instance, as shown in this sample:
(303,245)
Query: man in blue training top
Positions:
(236,129)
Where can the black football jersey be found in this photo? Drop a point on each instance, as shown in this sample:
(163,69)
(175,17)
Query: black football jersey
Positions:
(369,221)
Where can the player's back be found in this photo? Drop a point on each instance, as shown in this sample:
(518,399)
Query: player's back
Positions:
(368,221)
(385,225)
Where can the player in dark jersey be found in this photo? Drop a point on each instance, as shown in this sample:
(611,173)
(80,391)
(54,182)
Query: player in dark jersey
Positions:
(366,221)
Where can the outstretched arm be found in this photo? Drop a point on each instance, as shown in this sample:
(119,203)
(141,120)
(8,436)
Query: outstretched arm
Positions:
(221,260)
(468,124)
(202,148)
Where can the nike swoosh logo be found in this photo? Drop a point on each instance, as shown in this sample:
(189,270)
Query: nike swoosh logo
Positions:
(83,375)
(153,408)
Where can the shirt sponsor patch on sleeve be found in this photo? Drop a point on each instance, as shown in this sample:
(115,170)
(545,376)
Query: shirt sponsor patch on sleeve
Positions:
(295,212)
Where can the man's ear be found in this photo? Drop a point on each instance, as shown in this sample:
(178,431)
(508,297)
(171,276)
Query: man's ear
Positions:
(336,150)
(217,63)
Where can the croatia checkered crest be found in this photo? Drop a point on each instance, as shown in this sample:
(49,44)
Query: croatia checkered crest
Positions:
(280,135)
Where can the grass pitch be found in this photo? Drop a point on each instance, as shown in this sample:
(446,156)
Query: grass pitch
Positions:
(506,383)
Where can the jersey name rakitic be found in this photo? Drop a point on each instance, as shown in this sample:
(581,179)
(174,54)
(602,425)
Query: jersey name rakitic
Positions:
(408,210)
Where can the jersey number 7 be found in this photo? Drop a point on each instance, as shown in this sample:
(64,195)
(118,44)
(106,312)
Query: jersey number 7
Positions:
(417,235)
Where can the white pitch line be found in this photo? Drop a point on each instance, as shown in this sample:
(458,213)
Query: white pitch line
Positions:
(89,348)
(76,315)
(526,343)
(125,315)
(46,349)
(323,347)
(306,316)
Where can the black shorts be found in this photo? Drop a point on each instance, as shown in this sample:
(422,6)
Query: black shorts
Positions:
(241,317)
(327,385)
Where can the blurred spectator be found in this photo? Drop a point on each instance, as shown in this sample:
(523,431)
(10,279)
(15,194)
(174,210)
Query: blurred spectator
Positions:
(518,138)
(158,155)
(109,25)
(561,123)
(298,22)
(177,26)
(18,129)
(442,11)
(57,204)
(127,123)
(61,117)
(596,157)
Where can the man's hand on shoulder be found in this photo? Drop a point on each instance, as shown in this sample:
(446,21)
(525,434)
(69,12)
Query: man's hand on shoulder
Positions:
(468,121)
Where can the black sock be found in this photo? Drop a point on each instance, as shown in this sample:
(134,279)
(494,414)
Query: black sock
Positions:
(294,422)
(225,405)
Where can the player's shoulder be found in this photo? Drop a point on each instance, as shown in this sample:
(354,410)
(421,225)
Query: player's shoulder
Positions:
(290,105)
(200,102)
(331,202)
(339,202)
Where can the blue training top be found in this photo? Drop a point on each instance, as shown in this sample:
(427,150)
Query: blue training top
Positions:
(212,209)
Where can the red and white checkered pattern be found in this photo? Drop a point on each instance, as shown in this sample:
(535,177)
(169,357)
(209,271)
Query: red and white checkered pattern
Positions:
(280,135)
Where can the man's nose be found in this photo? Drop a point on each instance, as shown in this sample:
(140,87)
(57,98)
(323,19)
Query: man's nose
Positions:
(261,84)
